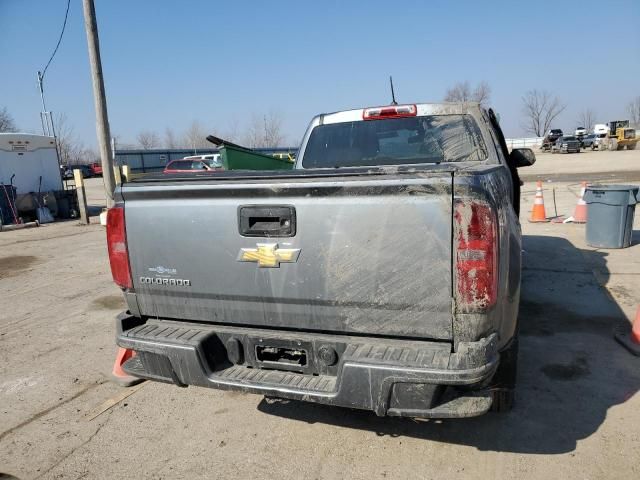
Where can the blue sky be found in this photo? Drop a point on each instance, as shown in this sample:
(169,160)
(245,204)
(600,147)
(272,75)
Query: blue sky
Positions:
(167,63)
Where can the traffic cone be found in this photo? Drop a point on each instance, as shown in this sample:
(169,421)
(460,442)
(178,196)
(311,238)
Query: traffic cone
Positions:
(580,213)
(118,374)
(538,214)
(630,338)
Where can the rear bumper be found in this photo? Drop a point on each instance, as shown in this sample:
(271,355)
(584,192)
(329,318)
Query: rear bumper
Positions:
(389,377)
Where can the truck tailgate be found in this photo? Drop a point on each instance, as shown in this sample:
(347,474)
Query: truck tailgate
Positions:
(372,255)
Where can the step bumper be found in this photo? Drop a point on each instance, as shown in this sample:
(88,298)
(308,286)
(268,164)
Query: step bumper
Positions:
(389,377)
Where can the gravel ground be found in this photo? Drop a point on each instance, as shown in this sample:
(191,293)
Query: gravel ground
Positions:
(577,413)
(593,166)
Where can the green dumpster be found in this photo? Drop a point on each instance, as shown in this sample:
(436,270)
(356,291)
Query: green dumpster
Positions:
(235,157)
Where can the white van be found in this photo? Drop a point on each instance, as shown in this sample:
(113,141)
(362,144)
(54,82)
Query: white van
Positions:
(600,128)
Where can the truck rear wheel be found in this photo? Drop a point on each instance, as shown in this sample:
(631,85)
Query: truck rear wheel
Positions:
(631,146)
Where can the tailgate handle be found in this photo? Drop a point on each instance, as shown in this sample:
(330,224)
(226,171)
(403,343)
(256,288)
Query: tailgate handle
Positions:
(267,220)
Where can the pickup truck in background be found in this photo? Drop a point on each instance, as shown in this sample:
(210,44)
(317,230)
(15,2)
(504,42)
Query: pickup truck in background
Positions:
(96,168)
(382,273)
(550,138)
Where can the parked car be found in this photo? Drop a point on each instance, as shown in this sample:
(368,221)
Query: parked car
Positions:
(382,273)
(87,171)
(186,165)
(566,144)
(211,159)
(550,138)
(580,132)
(592,140)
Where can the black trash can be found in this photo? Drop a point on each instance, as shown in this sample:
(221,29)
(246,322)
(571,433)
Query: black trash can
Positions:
(610,210)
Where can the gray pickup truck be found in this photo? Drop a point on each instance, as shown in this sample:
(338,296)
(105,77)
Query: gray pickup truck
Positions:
(381,273)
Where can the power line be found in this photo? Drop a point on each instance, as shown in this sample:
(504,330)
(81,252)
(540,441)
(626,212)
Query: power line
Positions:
(64,25)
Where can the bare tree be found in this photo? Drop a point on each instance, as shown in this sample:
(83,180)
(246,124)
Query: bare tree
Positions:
(170,140)
(148,140)
(84,155)
(586,119)
(273,136)
(462,92)
(253,136)
(264,131)
(122,144)
(71,150)
(232,132)
(540,109)
(67,144)
(6,121)
(634,111)
(196,137)
(482,93)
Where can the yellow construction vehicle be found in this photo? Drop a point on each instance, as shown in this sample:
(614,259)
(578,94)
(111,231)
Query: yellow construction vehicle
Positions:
(621,135)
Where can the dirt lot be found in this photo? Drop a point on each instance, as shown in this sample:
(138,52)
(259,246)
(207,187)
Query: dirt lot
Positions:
(577,413)
(593,166)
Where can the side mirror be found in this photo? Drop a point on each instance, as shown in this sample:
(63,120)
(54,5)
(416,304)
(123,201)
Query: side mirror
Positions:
(522,157)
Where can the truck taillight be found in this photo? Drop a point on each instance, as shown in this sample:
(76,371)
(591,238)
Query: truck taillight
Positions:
(392,111)
(476,266)
(117,247)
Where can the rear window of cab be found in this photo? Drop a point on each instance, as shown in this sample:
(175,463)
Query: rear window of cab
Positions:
(395,141)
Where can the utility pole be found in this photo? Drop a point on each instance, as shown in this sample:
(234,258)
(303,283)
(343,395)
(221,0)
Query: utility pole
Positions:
(46,118)
(100,102)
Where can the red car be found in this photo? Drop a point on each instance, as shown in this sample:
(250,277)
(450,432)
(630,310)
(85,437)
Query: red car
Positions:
(96,168)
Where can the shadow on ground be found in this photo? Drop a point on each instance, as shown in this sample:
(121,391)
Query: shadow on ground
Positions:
(571,370)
